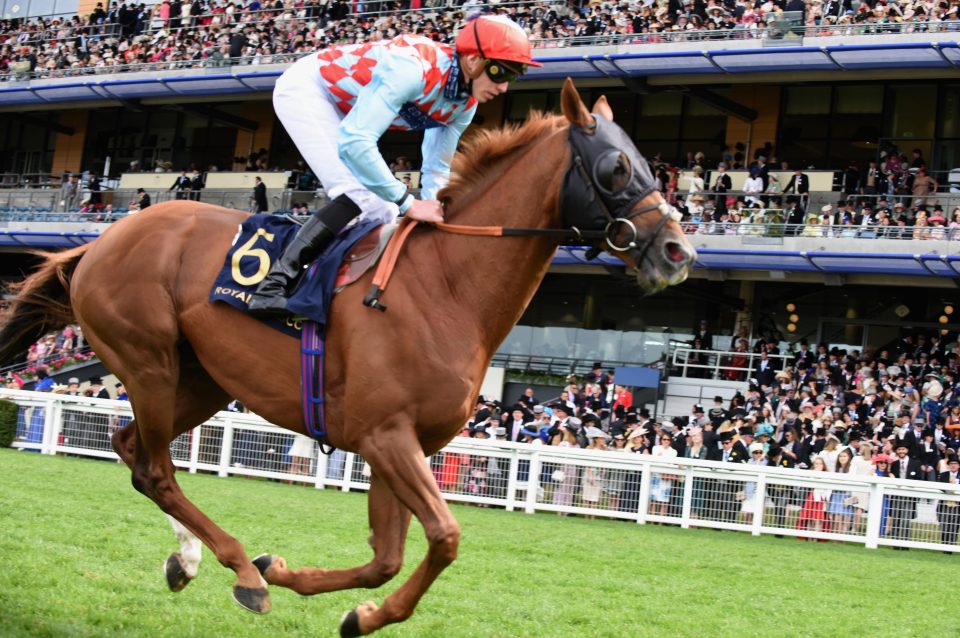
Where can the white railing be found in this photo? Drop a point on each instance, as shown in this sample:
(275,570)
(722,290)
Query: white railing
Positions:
(873,511)
(715,364)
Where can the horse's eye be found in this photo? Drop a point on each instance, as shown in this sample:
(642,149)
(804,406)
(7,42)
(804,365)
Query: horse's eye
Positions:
(613,172)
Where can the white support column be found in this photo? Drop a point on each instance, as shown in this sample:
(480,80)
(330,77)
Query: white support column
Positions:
(761,496)
(512,480)
(874,511)
(534,483)
(644,504)
(348,472)
(320,478)
(52,426)
(226,447)
(195,437)
(687,506)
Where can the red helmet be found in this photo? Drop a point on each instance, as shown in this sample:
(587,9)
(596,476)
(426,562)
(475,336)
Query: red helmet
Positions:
(495,38)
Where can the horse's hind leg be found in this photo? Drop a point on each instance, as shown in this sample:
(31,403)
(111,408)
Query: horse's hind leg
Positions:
(397,458)
(389,521)
(198,398)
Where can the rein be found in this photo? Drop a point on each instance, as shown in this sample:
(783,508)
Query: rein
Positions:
(392,252)
(389,260)
(589,197)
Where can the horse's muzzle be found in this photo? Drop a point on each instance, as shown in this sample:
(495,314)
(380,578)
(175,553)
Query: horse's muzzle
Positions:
(666,263)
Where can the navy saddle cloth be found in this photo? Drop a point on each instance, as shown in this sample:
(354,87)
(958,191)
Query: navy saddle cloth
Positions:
(260,240)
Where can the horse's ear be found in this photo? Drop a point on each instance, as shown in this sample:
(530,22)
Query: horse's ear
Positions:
(572,106)
(602,108)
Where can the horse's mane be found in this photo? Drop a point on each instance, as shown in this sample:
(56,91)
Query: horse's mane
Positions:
(484,150)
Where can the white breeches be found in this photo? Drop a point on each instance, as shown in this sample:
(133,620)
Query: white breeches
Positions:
(313,123)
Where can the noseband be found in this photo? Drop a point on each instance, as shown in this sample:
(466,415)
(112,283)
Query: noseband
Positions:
(607,178)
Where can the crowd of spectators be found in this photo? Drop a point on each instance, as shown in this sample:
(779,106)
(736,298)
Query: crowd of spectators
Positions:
(894,198)
(178,33)
(50,353)
(894,412)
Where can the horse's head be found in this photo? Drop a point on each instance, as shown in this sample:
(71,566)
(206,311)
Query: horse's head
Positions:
(609,186)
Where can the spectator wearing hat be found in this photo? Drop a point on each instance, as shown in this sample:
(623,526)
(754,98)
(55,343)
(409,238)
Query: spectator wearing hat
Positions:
(661,483)
(721,184)
(696,186)
(750,499)
(615,479)
(840,505)
(903,508)
(948,511)
(514,424)
(565,476)
(696,449)
(730,452)
(593,478)
(478,466)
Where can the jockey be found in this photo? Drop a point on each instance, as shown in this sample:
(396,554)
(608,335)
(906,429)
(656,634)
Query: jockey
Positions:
(336,104)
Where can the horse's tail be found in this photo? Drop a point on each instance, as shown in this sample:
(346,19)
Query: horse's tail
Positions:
(41,304)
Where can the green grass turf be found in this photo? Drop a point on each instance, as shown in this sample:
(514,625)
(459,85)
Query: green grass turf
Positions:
(82,553)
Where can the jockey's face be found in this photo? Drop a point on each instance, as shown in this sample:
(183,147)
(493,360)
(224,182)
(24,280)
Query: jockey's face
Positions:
(483,88)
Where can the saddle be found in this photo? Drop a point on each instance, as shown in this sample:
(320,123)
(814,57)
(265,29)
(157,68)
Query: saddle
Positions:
(262,238)
(363,256)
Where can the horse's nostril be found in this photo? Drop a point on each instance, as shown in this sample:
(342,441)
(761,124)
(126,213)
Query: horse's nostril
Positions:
(675,252)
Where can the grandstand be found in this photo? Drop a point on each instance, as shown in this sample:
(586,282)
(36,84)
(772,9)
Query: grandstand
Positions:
(137,94)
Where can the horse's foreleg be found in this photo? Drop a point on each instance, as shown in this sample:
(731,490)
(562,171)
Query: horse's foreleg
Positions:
(389,521)
(398,459)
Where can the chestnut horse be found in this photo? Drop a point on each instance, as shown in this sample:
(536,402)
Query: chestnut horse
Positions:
(140,292)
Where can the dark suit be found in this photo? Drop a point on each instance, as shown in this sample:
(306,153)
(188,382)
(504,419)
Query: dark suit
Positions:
(798,185)
(144,201)
(903,508)
(260,198)
(196,184)
(781,495)
(182,185)
(764,373)
(721,185)
(948,512)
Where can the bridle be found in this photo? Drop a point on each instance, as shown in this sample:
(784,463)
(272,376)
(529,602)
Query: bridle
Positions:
(597,201)
(607,178)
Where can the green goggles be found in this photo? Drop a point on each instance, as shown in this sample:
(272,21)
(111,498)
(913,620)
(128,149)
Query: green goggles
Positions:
(500,72)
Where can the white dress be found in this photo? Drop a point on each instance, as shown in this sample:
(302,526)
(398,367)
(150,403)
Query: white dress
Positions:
(302,447)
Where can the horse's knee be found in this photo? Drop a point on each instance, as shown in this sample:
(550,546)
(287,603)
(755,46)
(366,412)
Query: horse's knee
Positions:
(445,540)
(382,572)
(140,479)
(121,441)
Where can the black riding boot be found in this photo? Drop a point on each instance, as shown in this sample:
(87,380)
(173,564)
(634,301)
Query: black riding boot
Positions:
(270,297)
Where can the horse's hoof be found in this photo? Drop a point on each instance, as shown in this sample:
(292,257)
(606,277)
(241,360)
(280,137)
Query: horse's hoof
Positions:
(350,625)
(263,562)
(174,572)
(255,599)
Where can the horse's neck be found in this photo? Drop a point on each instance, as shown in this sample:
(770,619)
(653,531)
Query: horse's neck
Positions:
(499,275)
